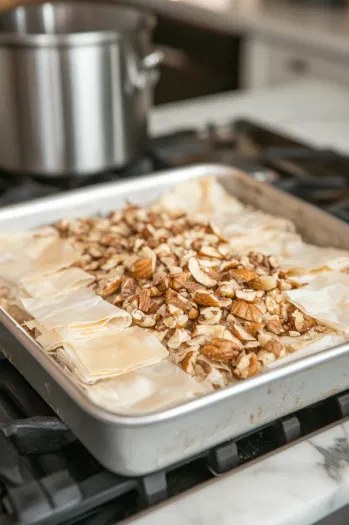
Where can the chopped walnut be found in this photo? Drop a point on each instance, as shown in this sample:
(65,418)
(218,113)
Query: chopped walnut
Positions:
(219,314)
(247,366)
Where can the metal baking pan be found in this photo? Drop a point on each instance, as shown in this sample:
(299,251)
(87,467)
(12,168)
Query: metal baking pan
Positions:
(137,445)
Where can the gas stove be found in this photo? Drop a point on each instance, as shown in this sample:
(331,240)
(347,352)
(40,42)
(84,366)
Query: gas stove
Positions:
(46,474)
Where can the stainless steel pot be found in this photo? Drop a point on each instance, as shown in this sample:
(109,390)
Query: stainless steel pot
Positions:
(75,87)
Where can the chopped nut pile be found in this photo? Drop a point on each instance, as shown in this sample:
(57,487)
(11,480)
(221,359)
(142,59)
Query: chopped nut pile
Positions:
(219,315)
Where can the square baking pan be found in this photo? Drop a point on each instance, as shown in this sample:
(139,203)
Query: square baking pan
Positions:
(137,445)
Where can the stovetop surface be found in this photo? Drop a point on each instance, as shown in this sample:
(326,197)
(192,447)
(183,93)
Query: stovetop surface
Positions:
(47,477)
(318,176)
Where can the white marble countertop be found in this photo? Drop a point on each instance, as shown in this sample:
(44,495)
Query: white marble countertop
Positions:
(296,486)
(308,480)
(310,110)
(322,28)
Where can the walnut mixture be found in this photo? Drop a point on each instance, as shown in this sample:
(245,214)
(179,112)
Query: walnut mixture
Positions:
(219,315)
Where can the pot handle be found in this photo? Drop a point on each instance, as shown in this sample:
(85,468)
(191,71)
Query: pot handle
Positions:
(147,72)
(168,56)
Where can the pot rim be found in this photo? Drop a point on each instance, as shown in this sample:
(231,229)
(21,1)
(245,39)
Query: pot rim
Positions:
(143,20)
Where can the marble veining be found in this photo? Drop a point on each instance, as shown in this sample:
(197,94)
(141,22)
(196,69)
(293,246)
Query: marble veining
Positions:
(298,485)
(335,457)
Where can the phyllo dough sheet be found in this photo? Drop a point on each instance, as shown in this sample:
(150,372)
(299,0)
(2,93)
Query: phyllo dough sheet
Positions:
(39,255)
(199,197)
(306,347)
(269,242)
(50,340)
(208,198)
(26,240)
(325,298)
(306,258)
(111,354)
(147,389)
(76,310)
(56,283)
